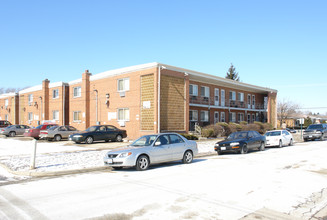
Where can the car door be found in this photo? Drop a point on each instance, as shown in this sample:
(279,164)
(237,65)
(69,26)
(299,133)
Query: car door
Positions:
(100,133)
(111,132)
(63,131)
(161,151)
(20,129)
(251,140)
(177,146)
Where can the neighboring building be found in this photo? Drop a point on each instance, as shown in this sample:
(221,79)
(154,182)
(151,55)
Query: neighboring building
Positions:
(148,98)
(9,107)
(46,102)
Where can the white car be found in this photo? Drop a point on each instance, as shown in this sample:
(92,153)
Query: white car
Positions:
(279,138)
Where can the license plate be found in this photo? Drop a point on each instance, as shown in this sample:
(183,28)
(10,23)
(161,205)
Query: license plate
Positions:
(109,161)
(223,148)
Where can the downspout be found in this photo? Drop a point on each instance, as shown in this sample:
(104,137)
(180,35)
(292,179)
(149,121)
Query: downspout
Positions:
(63,106)
(96,106)
(159,76)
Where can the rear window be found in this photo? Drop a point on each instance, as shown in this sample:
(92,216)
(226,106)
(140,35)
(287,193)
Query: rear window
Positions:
(315,127)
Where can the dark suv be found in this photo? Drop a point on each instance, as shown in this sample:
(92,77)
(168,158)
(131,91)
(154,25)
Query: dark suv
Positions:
(315,131)
(4,123)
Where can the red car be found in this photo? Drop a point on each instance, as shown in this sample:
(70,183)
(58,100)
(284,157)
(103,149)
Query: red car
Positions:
(35,132)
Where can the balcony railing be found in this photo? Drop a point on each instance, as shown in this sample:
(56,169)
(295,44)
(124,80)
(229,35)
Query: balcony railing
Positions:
(228,103)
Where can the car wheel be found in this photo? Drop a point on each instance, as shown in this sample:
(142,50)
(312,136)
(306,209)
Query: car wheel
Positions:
(244,149)
(89,140)
(12,134)
(322,137)
(188,157)
(119,138)
(280,145)
(57,137)
(36,138)
(262,146)
(291,142)
(142,163)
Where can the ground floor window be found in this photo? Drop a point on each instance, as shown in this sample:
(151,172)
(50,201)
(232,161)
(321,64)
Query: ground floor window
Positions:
(55,115)
(216,117)
(30,116)
(249,118)
(77,116)
(253,117)
(232,117)
(240,117)
(193,115)
(222,117)
(204,116)
(123,114)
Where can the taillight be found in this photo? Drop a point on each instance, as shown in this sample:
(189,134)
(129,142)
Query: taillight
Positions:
(44,132)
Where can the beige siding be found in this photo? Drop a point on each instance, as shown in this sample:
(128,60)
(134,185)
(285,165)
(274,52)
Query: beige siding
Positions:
(147,95)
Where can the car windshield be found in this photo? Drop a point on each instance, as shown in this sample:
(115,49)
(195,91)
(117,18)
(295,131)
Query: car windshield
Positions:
(11,126)
(238,135)
(315,127)
(91,129)
(273,133)
(39,127)
(53,127)
(144,141)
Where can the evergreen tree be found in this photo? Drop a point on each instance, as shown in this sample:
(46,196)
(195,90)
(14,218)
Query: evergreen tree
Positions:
(232,74)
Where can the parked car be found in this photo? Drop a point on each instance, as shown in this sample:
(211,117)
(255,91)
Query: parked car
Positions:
(14,130)
(279,138)
(315,131)
(241,142)
(152,149)
(290,130)
(4,123)
(57,133)
(99,133)
(35,132)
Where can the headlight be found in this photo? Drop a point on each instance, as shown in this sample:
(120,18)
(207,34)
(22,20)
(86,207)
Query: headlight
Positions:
(234,144)
(216,145)
(318,132)
(126,154)
(77,136)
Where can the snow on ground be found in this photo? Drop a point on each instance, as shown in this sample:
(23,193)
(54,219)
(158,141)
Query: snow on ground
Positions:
(56,156)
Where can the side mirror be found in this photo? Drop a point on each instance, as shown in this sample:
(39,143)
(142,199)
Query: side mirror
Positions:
(158,143)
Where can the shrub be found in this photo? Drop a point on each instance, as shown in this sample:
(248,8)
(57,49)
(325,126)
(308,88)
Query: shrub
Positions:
(243,123)
(212,131)
(190,136)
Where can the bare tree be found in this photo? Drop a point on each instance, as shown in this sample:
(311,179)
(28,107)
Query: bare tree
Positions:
(9,90)
(285,109)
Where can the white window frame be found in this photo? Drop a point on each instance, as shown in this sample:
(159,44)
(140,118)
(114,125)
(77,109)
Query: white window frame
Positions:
(216,119)
(79,116)
(125,113)
(222,117)
(232,95)
(249,101)
(253,101)
(6,102)
(206,91)
(240,96)
(55,93)
(30,116)
(232,117)
(194,115)
(77,91)
(222,97)
(249,118)
(194,90)
(30,99)
(125,85)
(240,117)
(55,115)
(6,117)
(216,96)
(205,115)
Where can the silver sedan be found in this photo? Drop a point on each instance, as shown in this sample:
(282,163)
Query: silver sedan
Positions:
(152,149)
(14,130)
(58,132)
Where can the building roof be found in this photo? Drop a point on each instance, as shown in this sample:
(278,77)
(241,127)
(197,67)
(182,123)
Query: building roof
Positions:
(6,95)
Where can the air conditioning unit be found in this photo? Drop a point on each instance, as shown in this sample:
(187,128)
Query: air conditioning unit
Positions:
(121,123)
(122,94)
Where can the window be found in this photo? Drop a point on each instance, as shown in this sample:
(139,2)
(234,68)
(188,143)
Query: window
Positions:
(175,139)
(163,140)
(77,116)
(123,114)
(222,117)
(6,117)
(216,117)
(222,97)
(249,118)
(232,95)
(205,91)
(55,115)
(193,115)
(55,93)
(216,96)
(30,116)
(240,117)
(30,99)
(232,117)
(77,92)
(204,116)
(253,101)
(240,96)
(123,85)
(193,90)
(253,117)
(6,102)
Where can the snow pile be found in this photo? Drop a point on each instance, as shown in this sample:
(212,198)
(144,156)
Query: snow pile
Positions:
(51,157)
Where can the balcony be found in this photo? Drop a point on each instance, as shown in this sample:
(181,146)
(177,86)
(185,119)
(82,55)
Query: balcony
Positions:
(228,103)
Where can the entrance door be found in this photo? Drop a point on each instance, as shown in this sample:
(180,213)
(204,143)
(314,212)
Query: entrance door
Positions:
(216,117)
(223,98)
(216,97)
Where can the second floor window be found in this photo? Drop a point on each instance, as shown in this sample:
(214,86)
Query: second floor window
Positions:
(30,99)
(77,91)
(232,95)
(193,90)
(6,102)
(205,91)
(55,93)
(240,97)
(30,116)
(123,85)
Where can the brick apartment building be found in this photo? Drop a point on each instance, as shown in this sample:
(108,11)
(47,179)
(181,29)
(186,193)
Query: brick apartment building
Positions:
(146,99)
(9,107)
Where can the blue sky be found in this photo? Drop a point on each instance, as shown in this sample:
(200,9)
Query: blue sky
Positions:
(276,44)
